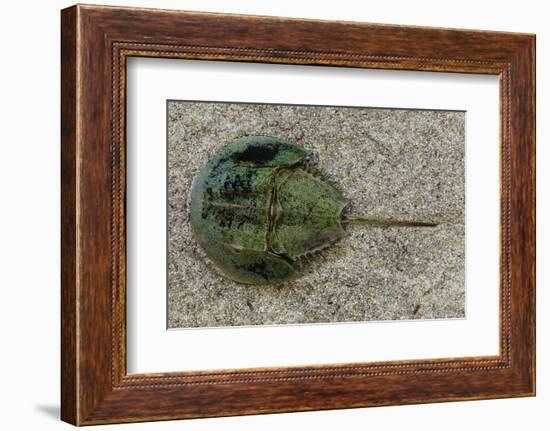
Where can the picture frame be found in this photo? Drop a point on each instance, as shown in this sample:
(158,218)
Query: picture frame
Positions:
(96,42)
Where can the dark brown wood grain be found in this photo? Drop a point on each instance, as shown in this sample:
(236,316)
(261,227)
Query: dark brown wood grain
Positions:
(96,41)
(68,217)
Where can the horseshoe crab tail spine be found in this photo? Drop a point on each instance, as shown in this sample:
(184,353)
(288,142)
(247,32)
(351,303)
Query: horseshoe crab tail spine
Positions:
(360,220)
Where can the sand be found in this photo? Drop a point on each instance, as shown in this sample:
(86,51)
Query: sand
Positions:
(391,163)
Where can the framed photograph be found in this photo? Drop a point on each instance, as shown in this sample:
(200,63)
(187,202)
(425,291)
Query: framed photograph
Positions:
(264,214)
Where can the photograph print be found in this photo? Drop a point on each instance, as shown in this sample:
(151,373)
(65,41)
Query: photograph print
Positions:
(301,214)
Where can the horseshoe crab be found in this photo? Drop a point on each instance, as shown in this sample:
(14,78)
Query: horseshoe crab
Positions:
(257,211)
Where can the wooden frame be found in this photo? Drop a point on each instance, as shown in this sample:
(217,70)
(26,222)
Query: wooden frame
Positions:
(96,41)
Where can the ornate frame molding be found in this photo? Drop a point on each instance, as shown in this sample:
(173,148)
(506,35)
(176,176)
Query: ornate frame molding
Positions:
(96,41)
